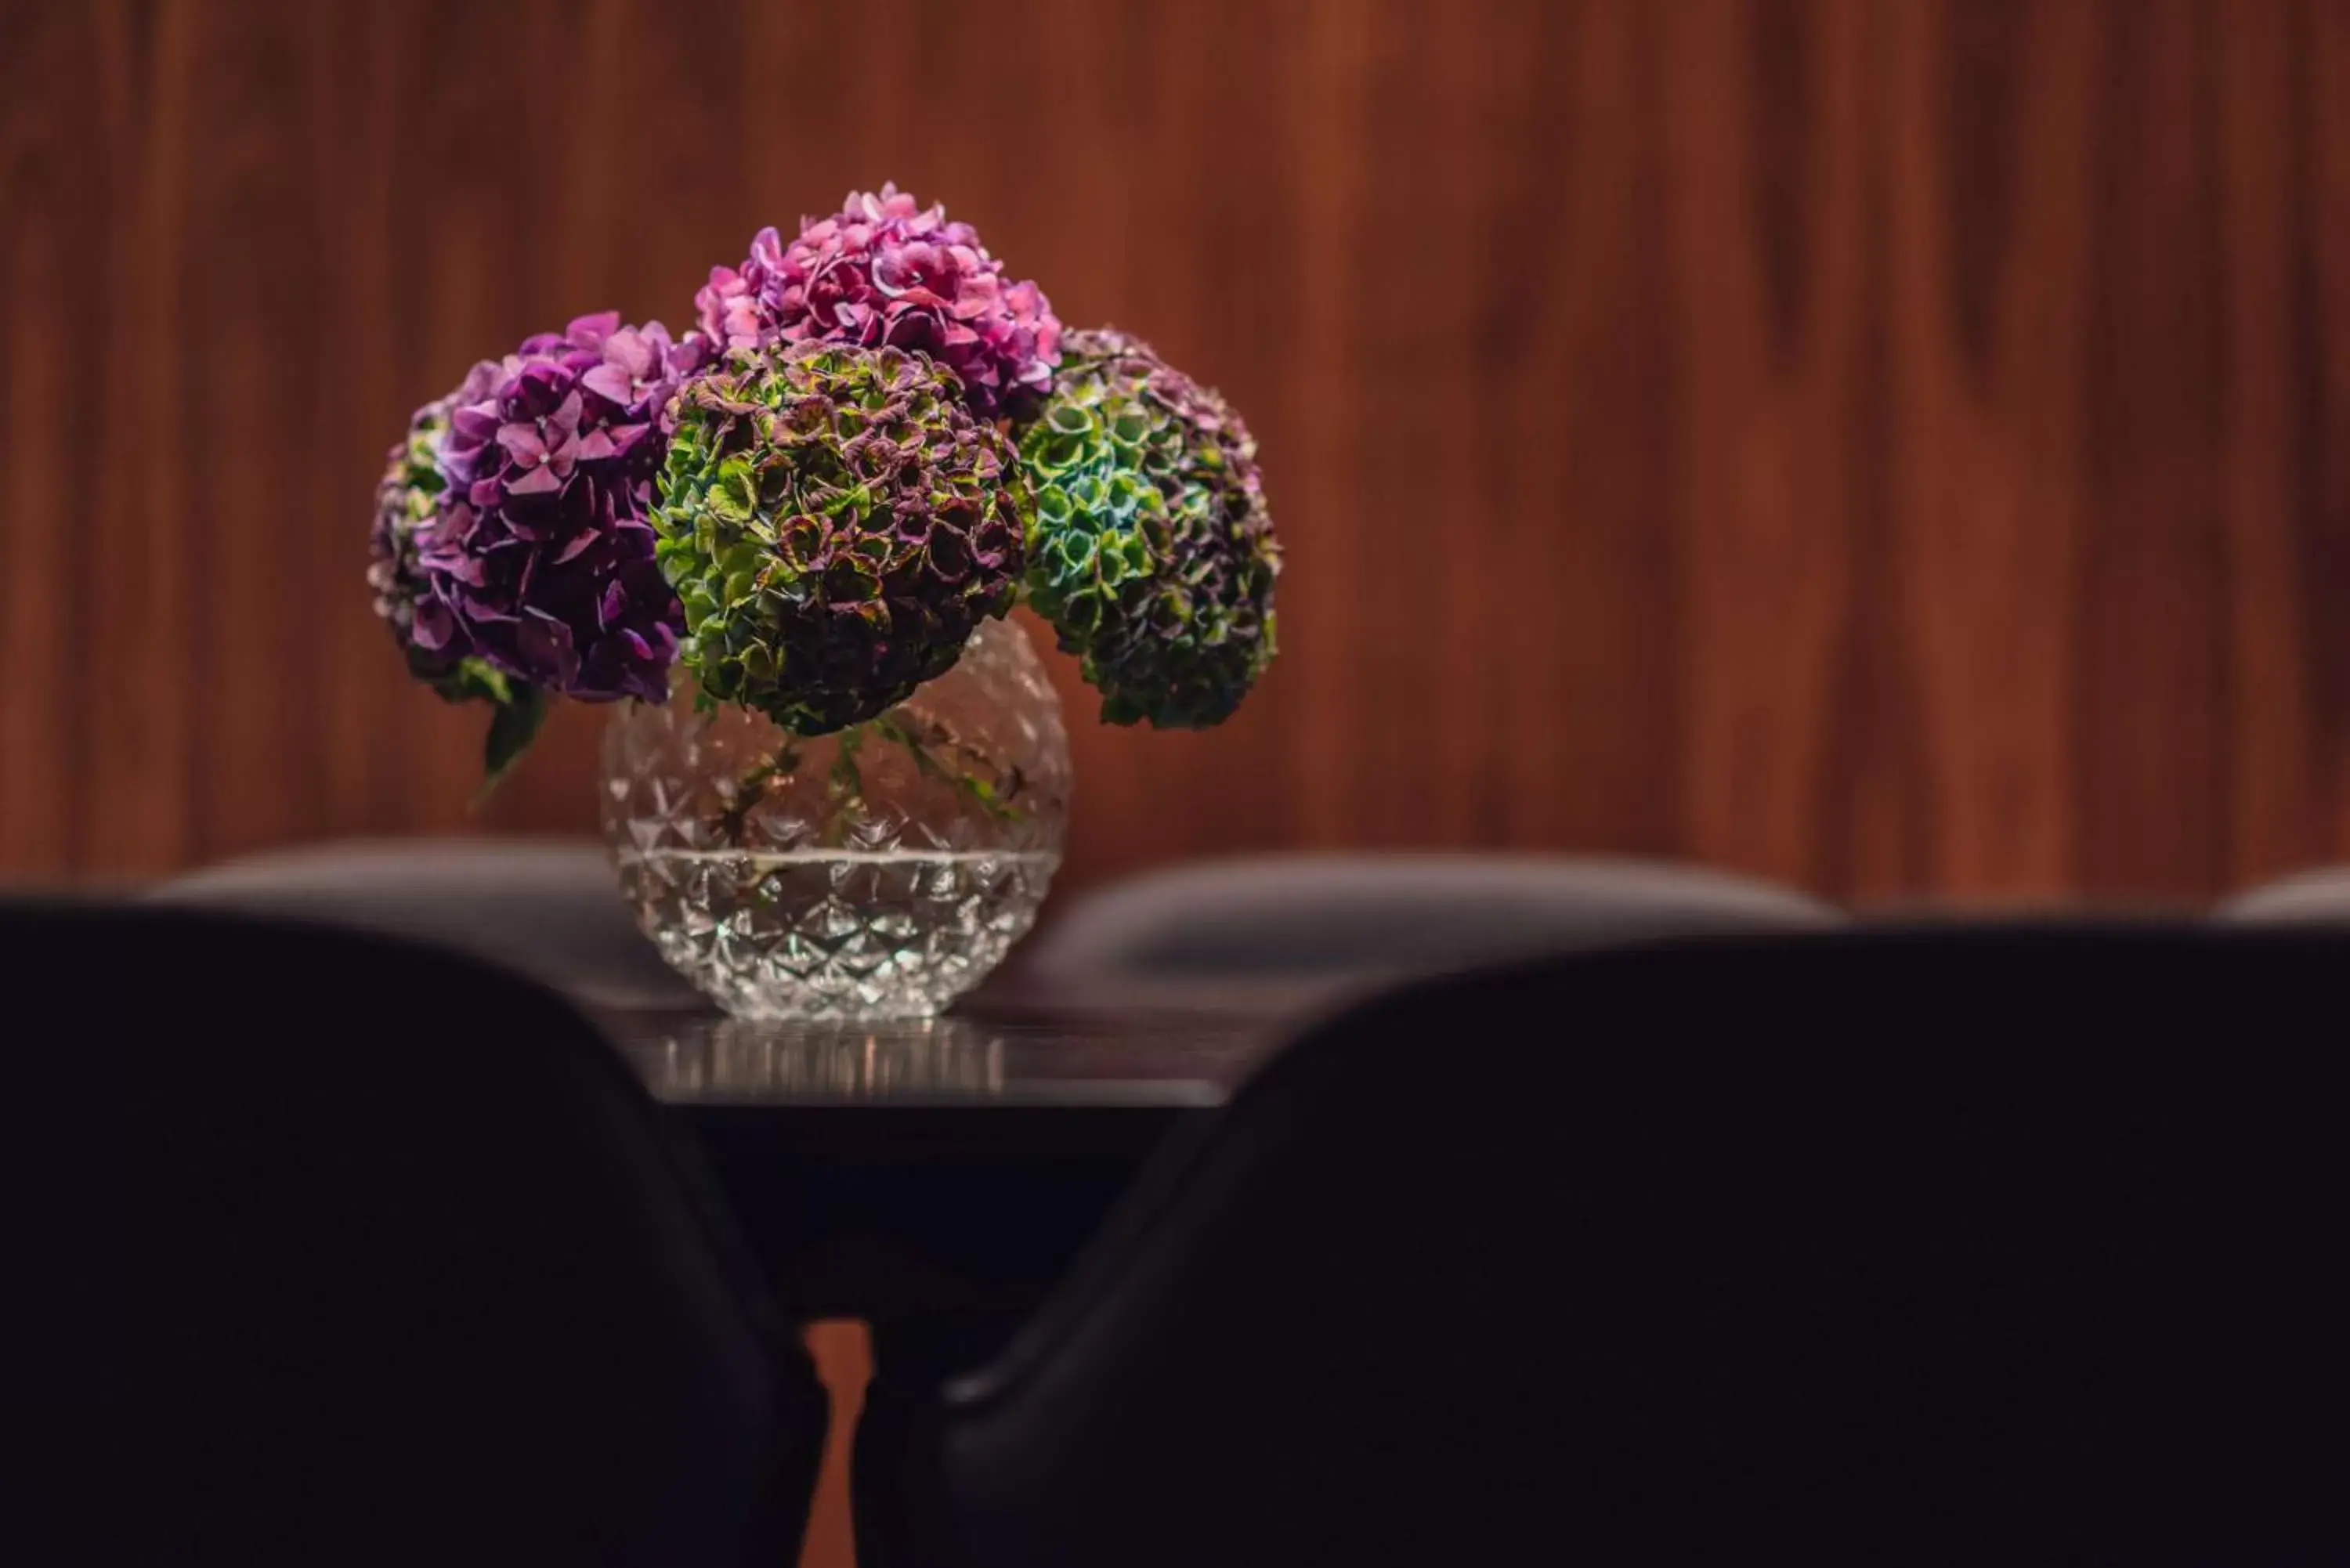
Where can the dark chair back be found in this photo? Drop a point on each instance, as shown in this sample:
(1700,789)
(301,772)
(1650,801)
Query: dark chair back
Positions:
(1271,915)
(550,908)
(381,1256)
(2319,897)
(1933,1248)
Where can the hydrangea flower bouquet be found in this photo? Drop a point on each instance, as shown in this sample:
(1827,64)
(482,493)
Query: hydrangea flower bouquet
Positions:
(816,505)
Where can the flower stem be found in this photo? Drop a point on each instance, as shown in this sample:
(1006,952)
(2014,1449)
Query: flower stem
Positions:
(752,788)
(845,788)
(991,795)
(937,750)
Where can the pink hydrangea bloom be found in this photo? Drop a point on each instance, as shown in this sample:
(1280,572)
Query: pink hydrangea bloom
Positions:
(883,271)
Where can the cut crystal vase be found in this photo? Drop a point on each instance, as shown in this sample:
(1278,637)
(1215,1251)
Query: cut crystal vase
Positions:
(878,872)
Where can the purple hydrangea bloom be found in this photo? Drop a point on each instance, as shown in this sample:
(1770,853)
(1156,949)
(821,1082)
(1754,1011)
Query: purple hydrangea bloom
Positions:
(542,557)
(407,504)
(882,271)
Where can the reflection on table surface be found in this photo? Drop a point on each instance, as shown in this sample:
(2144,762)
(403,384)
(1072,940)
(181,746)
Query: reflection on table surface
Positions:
(696,1059)
(1123,1044)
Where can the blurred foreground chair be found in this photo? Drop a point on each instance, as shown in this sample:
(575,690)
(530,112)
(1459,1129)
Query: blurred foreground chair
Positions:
(1939,1248)
(381,1256)
(1295,915)
(2311,899)
(549,907)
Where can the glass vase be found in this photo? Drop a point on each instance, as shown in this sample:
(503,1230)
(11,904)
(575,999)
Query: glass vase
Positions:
(878,872)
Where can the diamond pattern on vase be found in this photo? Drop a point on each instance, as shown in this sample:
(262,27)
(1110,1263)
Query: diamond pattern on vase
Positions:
(877,873)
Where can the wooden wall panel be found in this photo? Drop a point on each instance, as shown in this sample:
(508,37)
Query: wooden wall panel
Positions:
(1902,448)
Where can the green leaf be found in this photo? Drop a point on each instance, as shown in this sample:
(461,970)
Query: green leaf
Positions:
(475,680)
(514,725)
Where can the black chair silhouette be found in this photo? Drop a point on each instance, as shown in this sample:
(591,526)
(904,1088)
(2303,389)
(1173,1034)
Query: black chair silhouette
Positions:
(379,1256)
(550,908)
(1315,914)
(2318,897)
(1941,1247)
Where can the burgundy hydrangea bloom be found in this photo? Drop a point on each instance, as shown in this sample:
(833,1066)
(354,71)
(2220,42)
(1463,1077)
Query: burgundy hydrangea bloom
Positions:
(542,554)
(884,272)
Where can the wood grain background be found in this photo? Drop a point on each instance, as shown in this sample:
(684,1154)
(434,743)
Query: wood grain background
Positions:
(1899,448)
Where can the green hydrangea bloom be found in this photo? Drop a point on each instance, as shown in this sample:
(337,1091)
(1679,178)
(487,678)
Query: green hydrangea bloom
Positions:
(835,522)
(1152,553)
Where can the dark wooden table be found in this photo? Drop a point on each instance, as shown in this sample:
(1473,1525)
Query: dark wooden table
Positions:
(946,1172)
